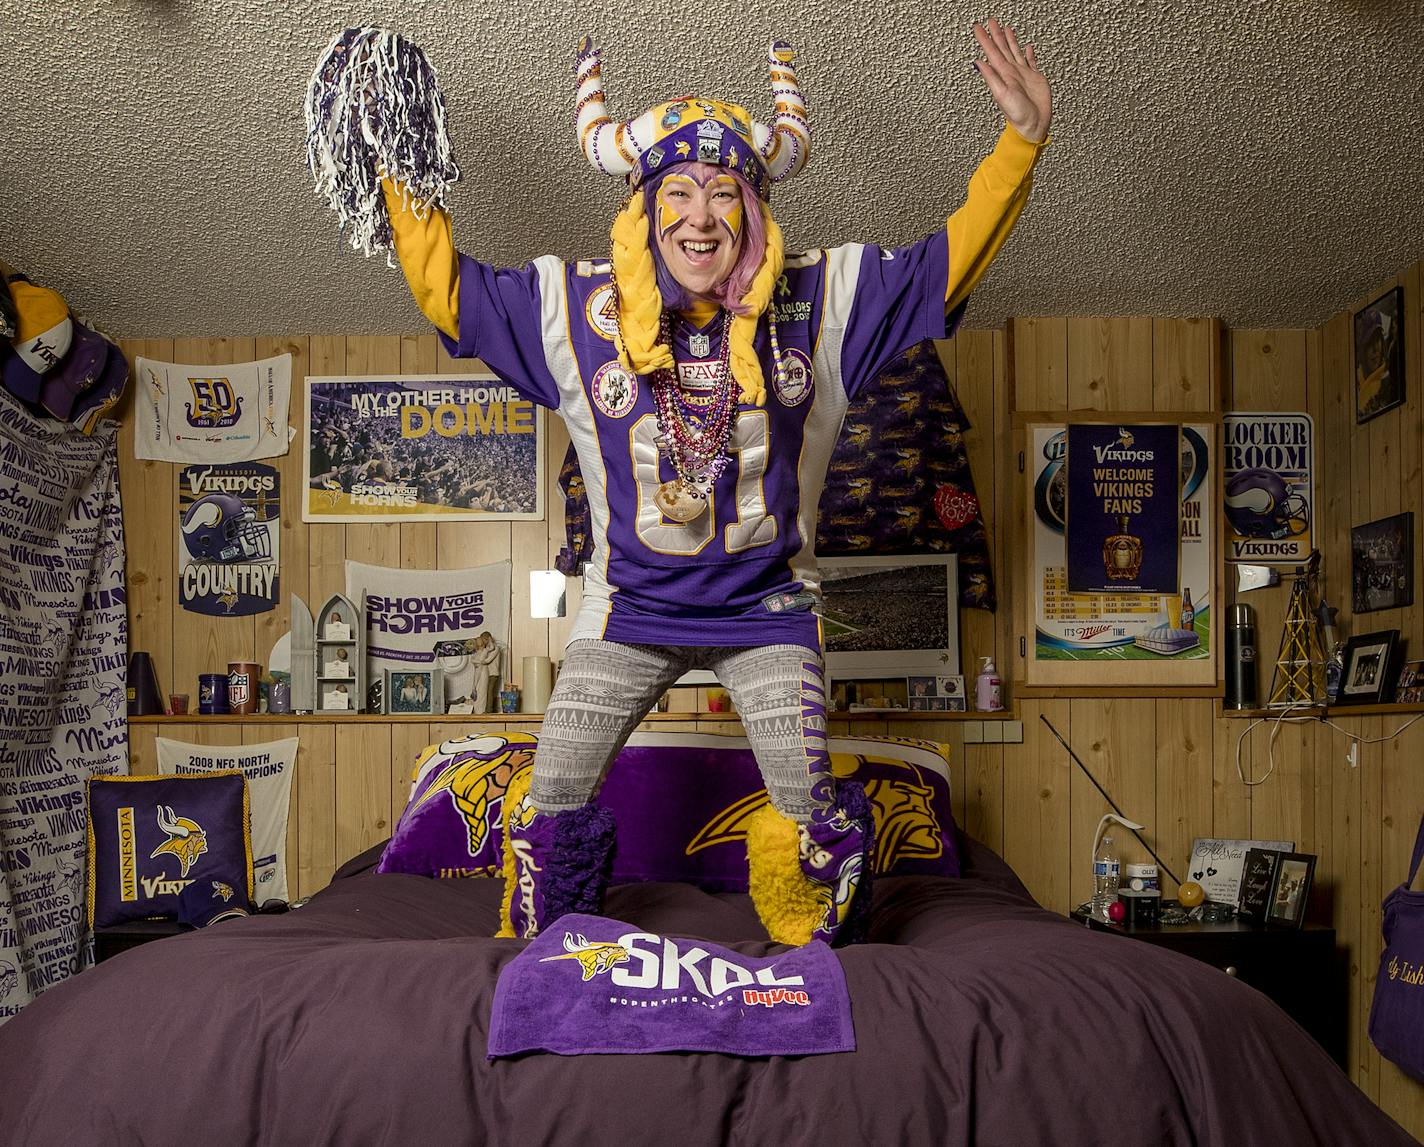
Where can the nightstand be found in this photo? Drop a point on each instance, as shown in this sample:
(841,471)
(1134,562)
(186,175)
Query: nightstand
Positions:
(120,938)
(1300,969)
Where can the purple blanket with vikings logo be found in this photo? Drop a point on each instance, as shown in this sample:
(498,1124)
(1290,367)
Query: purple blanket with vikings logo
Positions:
(364,1017)
(590,984)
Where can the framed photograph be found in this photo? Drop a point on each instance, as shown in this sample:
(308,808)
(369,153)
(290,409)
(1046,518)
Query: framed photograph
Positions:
(1258,878)
(1382,563)
(1410,688)
(1290,890)
(1118,640)
(936,694)
(890,616)
(1369,673)
(1379,356)
(413,691)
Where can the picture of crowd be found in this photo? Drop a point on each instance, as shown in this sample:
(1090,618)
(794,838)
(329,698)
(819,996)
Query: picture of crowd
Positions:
(490,473)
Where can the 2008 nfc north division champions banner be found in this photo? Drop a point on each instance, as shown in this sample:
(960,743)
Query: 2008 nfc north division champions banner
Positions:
(403,448)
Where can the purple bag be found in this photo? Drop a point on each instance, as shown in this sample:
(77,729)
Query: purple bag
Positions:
(1397,1015)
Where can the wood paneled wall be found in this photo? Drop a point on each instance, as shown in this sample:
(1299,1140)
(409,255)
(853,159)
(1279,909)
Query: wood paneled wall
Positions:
(1175,763)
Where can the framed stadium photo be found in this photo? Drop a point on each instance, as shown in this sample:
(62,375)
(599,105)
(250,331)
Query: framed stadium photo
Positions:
(890,616)
(405,448)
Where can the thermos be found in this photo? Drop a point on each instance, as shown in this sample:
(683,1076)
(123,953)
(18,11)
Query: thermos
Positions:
(1241,659)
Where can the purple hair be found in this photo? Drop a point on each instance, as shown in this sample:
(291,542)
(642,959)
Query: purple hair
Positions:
(737,283)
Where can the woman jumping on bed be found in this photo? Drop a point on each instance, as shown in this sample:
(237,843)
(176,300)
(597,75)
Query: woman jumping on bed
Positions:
(703,374)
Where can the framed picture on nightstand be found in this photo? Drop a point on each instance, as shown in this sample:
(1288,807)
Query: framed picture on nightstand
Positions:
(1291,889)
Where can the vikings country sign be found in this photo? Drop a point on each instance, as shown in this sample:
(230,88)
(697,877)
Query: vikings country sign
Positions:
(590,984)
(412,447)
(1268,468)
(229,528)
(236,412)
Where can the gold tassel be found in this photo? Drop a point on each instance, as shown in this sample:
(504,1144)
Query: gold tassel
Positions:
(513,796)
(790,906)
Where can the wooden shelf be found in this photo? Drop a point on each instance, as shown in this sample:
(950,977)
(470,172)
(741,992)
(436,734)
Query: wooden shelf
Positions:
(507,718)
(1335,712)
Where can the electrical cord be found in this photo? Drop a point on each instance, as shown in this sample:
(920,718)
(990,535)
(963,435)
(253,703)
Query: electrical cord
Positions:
(1284,716)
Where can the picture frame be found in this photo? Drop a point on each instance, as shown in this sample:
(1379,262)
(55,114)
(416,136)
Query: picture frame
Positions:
(1086,644)
(1290,889)
(884,617)
(1382,563)
(1258,878)
(1369,672)
(413,691)
(1217,864)
(1379,356)
(944,694)
(1409,689)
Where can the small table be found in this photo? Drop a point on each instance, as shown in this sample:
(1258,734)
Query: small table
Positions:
(1300,969)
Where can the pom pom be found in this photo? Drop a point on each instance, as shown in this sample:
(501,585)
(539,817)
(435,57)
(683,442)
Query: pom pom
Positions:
(374,109)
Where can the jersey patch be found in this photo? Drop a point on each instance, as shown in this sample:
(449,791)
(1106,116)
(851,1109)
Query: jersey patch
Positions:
(793,385)
(602,311)
(614,390)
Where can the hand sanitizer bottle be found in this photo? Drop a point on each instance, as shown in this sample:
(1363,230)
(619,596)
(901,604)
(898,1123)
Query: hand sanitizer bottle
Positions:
(988,689)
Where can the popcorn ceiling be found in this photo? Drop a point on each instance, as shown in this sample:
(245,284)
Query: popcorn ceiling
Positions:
(1262,162)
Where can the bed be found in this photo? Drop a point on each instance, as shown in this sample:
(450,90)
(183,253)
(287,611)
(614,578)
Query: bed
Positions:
(362,1018)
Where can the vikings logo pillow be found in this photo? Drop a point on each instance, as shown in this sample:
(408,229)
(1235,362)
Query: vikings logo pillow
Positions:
(151,837)
(682,802)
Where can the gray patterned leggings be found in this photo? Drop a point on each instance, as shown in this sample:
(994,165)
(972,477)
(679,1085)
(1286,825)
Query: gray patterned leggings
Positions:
(605,688)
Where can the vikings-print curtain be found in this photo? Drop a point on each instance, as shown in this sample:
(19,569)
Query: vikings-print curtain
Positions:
(899,480)
(63,716)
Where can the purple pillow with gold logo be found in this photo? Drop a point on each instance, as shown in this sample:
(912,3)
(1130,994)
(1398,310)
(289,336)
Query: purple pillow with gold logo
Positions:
(151,837)
(681,801)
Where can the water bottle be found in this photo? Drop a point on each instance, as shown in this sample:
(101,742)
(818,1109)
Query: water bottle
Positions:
(1107,876)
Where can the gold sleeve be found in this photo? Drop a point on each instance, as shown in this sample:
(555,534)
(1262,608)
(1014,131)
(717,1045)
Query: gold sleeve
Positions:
(426,249)
(997,193)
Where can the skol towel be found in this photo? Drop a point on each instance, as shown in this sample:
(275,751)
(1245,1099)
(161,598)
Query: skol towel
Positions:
(591,984)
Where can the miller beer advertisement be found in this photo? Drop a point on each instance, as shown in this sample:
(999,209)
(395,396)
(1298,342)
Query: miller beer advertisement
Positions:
(1268,473)
(229,530)
(1118,625)
(1123,509)
(413,447)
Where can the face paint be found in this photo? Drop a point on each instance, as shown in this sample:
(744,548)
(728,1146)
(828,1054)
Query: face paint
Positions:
(699,225)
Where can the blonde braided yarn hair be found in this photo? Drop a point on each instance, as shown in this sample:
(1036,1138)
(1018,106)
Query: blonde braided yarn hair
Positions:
(640,303)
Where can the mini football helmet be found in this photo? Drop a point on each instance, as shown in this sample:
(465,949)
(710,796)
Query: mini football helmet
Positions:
(1262,504)
(223,528)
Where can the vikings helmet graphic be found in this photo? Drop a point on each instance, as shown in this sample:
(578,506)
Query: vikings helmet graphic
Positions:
(223,528)
(1262,504)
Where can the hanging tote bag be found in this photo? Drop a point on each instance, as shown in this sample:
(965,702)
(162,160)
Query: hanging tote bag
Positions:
(1397,1015)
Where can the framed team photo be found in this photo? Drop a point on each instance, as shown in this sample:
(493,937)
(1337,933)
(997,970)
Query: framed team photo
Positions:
(404,448)
(1382,564)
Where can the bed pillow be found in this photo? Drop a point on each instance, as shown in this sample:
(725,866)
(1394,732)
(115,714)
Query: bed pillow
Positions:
(681,801)
(151,837)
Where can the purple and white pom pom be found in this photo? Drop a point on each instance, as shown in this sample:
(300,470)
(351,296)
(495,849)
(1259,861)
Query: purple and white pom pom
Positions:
(374,109)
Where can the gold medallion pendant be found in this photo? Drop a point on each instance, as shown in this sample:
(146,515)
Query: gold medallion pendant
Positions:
(680,500)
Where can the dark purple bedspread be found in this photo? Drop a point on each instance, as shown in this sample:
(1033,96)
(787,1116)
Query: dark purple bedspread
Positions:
(361,1018)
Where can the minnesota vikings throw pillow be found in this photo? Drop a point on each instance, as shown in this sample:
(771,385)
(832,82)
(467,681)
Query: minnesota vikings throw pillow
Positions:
(151,837)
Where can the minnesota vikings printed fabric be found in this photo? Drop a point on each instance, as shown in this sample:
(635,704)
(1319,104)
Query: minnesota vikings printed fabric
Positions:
(591,984)
(844,314)
(668,829)
(151,837)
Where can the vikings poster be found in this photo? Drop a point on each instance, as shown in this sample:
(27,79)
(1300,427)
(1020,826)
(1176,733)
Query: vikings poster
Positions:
(236,412)
(1268,471)
(413,447)
(229,530)
(1120,626)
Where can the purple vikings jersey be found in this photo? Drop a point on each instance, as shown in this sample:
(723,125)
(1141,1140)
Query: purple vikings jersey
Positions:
(843,314)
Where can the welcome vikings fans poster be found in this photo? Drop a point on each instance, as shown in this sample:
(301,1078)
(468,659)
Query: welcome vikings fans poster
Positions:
(411,447)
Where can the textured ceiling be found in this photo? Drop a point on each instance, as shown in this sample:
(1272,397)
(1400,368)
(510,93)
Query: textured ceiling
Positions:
(1260,161)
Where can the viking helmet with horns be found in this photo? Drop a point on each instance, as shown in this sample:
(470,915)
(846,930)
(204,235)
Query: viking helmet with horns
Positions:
(707,131)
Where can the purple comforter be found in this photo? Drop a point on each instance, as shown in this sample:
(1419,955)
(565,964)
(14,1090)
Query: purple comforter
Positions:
(362,1017)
